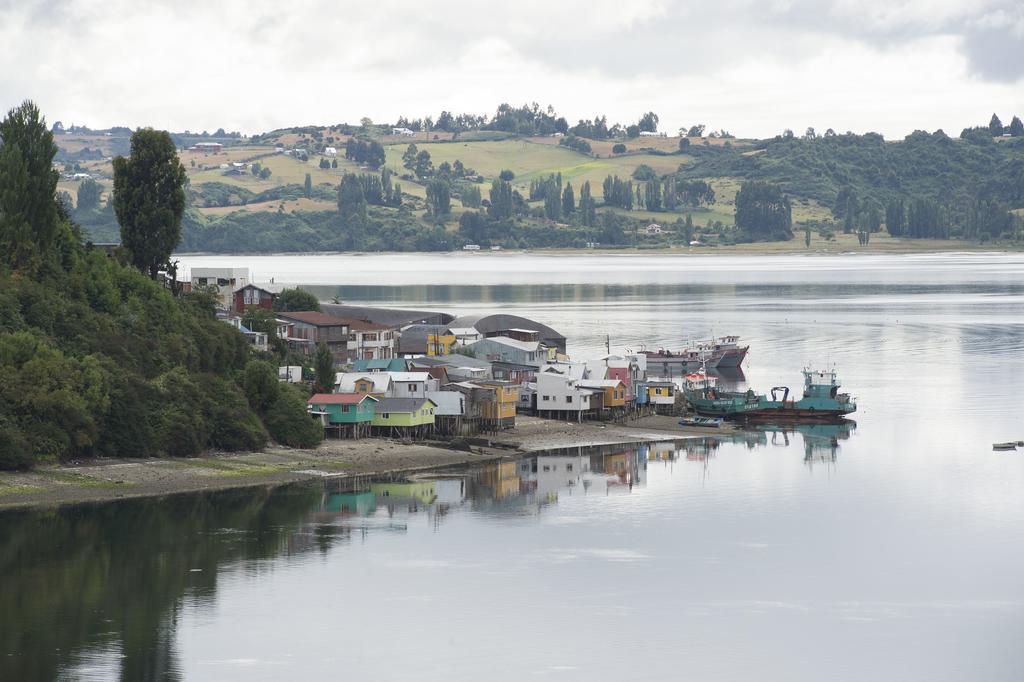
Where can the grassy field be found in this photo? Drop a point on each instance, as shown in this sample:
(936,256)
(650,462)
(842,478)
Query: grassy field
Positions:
(290,206)
(603,148)
(530,160)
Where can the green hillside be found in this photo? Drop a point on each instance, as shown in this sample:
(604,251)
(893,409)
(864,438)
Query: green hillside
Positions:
(926,185)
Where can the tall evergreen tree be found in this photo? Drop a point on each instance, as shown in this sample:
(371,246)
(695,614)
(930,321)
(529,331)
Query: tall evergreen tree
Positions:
(307,186)
(149,199)
(995,126)
(1016,128)
(28,182)
(323,366)
(501,200)
(439,198)
(568,200)
(351,200)
(895,218)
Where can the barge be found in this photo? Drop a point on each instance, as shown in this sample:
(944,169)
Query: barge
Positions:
(821,400)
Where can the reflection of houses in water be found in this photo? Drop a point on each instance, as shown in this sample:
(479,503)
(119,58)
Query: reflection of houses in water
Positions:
(661,452)
(700,449)
(409,496)
(350,504)
(545,476)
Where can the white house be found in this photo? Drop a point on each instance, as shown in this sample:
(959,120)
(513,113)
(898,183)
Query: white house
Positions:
(410,384)
(370,341)
(402,131)
(652,229)
(560,395)
(227,281)
(330,151)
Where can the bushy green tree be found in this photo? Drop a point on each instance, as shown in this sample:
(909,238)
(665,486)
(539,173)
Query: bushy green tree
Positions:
(289,421)
(89,193)
(618,148)
(149,199)
(648,122)
(470,196)
(422,165)
(763,211)
(295,300)
(473,227)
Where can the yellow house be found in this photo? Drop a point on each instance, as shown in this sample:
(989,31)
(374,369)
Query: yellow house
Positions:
(440,344)
(661,393)
(503,408)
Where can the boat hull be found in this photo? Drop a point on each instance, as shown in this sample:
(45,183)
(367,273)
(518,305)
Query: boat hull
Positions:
(733,357)
(757,409)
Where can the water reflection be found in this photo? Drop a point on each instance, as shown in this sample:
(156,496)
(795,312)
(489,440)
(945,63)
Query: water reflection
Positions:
(821,441)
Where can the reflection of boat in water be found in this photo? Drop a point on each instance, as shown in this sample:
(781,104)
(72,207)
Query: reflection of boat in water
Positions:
(821,400)
(821,441)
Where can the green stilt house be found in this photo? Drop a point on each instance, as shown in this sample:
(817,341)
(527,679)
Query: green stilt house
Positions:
(347,414)
(404,417)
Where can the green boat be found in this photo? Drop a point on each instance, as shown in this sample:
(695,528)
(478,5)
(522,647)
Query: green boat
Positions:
(821,400)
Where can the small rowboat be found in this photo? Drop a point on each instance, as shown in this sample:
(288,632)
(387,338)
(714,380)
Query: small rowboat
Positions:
(707,422)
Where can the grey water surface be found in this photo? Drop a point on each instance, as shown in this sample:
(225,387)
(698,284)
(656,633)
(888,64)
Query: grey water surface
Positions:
(888,549)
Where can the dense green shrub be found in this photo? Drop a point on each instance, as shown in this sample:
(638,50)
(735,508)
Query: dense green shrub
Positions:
(288,421)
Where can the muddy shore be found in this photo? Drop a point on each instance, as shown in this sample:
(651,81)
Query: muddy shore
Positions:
(112,479)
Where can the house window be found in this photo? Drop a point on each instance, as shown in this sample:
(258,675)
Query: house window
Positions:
(385,415)
(568,467)
(568,398)
(546,398)
(547,468)
(344,408)
(412,388)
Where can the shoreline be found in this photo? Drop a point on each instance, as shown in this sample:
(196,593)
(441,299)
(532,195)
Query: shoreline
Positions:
(888,247)
(108,480)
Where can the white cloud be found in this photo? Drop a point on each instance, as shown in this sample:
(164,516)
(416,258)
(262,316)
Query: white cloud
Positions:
(751,67)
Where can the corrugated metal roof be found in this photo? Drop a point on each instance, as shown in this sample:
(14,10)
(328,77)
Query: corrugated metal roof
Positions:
(314,318)
(402,404)
(339,398)
(449,403)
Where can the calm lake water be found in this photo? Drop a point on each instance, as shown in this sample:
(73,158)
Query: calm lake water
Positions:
(892,549)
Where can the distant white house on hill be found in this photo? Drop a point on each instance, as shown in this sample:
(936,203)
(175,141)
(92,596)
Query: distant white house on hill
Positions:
(402,131)
(652,229)
(330,151)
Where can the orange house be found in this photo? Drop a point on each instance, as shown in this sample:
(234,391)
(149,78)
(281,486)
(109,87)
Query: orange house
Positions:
(503,407)
(614,390)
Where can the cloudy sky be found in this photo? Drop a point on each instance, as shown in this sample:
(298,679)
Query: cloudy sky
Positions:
(753,67)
